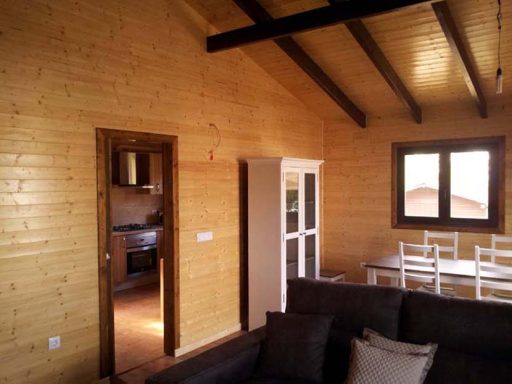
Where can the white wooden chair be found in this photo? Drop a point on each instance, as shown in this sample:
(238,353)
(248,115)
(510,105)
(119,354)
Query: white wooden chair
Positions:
(496,240)
(493,275)
(419,268)
(451,238)
(453,249)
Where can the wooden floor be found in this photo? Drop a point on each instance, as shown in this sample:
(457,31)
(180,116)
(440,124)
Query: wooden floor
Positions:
(139,374)
(138,329)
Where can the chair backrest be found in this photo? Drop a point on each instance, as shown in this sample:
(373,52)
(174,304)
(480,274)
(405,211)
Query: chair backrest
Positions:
(491,274)
(453,249)
(496,240)
(419,268)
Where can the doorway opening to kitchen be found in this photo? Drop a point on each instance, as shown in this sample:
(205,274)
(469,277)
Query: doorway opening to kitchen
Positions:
(138,248)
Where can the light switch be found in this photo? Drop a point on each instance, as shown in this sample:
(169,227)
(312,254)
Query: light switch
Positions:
(204,236)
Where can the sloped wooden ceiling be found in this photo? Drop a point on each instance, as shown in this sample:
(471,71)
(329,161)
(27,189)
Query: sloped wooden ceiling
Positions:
(410,38)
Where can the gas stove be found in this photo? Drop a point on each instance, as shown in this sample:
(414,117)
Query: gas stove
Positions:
(132,227)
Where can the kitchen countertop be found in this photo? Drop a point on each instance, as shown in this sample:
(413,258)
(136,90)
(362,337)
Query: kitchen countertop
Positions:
(152,229)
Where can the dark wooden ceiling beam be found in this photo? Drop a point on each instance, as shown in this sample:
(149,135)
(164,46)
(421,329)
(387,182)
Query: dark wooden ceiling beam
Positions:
(445,18)
(375,54)
(259,14)
(305,21)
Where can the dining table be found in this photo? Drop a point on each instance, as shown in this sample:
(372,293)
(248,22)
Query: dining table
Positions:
(452,271)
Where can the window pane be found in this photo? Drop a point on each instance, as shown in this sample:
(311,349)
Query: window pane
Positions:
(469,185)
(292,258)
(310,245)
(292,202)
(309,200)
(421,185)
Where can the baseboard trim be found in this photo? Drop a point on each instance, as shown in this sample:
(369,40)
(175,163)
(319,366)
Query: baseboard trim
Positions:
(198,344)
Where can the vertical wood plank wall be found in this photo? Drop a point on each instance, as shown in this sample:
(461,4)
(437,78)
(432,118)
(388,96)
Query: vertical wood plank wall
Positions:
(69,67)
(357,181)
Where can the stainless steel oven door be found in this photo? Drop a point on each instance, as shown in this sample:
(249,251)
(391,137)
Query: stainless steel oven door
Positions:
(141,259)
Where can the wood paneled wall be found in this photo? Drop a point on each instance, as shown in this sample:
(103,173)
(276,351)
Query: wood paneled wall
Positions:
(69,67)
(357,181)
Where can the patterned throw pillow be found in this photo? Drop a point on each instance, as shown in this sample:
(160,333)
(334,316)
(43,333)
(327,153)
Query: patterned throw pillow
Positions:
(369,364)
(377,340)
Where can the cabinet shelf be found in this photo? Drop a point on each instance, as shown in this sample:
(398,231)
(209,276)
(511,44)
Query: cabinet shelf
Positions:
(309,258)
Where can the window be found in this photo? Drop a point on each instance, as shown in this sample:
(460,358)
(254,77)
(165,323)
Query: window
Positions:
(450,184)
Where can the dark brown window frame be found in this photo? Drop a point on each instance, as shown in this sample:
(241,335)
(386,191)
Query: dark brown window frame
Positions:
(496,221)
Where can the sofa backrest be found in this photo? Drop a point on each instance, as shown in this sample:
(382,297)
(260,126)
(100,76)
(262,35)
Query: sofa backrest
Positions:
(474,337)
(354,306)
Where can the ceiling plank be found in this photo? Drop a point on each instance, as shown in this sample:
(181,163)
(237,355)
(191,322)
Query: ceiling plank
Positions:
(445,18)
(375,54)
(258,13)
(304,21)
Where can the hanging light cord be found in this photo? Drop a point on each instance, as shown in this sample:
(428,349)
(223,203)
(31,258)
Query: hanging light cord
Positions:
(499,72)
(499,17)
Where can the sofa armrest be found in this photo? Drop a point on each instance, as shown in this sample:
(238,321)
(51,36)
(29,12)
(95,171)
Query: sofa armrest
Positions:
(231,362)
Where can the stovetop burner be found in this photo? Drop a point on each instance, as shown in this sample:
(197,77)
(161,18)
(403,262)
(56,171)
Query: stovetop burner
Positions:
(132,227)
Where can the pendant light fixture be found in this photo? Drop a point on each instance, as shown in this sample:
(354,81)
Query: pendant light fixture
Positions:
(499,72)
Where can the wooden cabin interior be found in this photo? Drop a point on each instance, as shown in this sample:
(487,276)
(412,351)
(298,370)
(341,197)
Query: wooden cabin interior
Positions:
(195,90)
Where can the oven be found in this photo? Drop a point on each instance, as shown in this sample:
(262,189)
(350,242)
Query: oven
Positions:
(141,252)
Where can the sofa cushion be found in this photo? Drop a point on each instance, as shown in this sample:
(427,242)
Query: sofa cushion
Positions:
(474,338)
(355,307)
(456,367)
(295,347)
(370,364)
(274,381)
(230,362)
(379,341)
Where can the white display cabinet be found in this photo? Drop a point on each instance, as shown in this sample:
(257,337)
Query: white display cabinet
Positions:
(284,230)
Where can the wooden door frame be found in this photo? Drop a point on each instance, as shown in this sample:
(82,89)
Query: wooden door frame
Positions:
(171,241)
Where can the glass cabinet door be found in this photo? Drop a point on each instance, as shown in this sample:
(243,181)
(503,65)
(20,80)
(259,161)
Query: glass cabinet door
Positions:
(292,258)
(301,223)
(309,201)
(310,256)
(292,222)
(292,201)
(310,232)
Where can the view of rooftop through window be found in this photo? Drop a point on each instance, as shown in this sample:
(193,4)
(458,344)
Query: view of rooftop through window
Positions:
(469,184)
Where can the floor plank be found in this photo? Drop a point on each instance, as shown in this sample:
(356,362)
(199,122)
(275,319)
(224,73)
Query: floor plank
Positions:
(138,329)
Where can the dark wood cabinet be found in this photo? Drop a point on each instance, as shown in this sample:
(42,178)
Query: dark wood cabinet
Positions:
(121,279)
(119,268)
(155,173)
(159,248)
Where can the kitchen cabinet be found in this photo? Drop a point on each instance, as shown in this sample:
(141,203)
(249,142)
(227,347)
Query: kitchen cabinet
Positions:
(119,267)
(284,230)
(159,249)
(155,173)
(124,249)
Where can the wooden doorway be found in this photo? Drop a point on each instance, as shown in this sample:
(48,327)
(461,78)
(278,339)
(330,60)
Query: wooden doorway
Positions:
(104,139)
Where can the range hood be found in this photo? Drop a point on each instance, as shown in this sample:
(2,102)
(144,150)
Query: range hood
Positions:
(133,169)
(127,168)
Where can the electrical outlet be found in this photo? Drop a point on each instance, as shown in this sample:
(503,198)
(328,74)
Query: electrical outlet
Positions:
(53,342)
(204,236)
